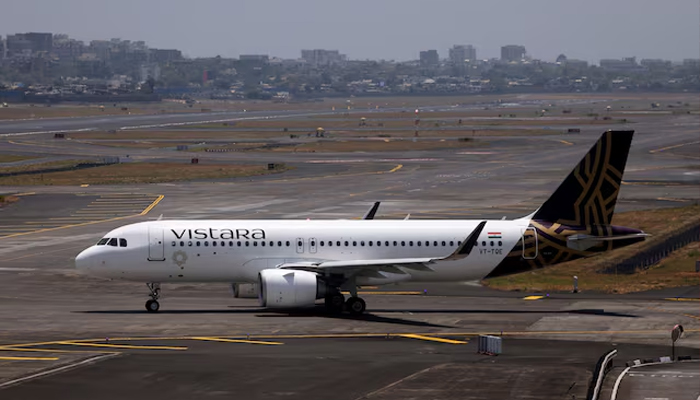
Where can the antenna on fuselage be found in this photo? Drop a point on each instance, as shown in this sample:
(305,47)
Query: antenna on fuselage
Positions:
(407,217)
(160,217)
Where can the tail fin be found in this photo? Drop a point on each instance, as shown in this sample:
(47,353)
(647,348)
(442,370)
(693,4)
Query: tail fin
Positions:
(588,195)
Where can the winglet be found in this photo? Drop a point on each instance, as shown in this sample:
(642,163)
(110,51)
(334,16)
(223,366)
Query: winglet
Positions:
(372,211)
(468,244)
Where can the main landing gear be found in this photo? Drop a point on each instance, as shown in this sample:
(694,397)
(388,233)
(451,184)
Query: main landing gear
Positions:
(356,305)
(335,303)
(153,305)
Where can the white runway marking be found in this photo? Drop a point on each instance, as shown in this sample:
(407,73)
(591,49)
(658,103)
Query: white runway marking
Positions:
(10,269)
(49,132)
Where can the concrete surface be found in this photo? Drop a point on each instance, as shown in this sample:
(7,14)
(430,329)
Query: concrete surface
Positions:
(550,343)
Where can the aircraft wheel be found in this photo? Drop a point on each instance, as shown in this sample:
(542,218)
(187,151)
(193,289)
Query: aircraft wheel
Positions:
(356,305)
(152,306)
(334,303)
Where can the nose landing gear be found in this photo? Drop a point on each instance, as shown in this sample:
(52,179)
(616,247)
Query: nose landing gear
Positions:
(153,305)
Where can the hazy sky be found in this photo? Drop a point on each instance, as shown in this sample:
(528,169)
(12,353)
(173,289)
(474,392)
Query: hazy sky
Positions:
(378,29)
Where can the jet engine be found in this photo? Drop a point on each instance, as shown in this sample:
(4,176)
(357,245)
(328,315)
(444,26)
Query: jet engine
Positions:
(245,290)
(281,288)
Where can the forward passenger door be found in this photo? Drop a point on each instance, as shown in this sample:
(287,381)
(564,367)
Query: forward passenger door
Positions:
(156,244)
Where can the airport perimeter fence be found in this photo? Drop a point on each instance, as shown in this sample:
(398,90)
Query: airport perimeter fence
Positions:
(652,255)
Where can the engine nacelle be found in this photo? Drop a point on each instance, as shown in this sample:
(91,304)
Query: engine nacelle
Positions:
(245,290)
(280,288)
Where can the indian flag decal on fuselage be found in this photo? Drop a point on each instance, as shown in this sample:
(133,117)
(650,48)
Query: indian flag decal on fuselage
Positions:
(494,235)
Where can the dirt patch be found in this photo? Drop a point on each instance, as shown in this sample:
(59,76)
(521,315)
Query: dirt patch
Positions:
(139,144)
(134,173)
(7,199)
(43,166)
(199,136)
(8,158)
(341,146)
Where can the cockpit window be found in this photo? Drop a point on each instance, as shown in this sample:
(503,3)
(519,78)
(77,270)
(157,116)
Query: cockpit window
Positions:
(122,242)
(103,241)
(112,242)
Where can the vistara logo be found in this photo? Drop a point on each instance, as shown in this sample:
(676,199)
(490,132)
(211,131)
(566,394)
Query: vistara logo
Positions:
(211,233)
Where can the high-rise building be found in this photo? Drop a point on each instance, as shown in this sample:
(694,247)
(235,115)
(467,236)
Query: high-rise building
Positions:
(29,43)
(429,58)
(67,49)
(2,48)
(255,58)
(627,64)
(319,57)
(18,46)
(40,41)
(460,54)
(691,63)
(164,55)
(655,63)
(512,52)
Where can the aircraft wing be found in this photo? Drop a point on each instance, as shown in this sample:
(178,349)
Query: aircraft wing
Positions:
(391,265)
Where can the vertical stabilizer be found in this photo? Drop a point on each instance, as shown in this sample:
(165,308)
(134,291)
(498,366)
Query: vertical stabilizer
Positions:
(588,195)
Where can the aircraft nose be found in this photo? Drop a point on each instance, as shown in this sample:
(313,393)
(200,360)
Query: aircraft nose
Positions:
(82,260)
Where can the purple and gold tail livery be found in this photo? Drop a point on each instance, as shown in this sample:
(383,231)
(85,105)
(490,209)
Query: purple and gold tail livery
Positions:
(576,220)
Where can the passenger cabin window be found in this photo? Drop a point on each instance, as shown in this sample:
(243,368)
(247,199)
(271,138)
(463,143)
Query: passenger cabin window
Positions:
(103,241)
(122,242)
(112,242)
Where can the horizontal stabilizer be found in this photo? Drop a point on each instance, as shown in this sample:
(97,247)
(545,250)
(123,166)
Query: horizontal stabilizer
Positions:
(585,242)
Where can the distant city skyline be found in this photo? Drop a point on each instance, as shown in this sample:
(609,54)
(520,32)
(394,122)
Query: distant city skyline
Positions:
(389,30)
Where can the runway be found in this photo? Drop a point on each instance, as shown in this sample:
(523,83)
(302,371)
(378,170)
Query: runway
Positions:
(205,343)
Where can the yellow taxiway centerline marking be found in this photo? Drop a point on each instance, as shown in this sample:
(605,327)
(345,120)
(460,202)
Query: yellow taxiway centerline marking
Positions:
(215,339)
(533,297)
(42,253)
(647,183)
(119,205)
(682,299)
(566,142)
(95,213)
(144,212)
(433,339)
(55,350)
(155,203)
(386,293)
(29,358)
(396,168)
(672,199)
(78,342)
(671,147)
(67,226)
(122,346)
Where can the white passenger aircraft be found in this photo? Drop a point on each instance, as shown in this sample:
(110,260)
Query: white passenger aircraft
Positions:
(296,262)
